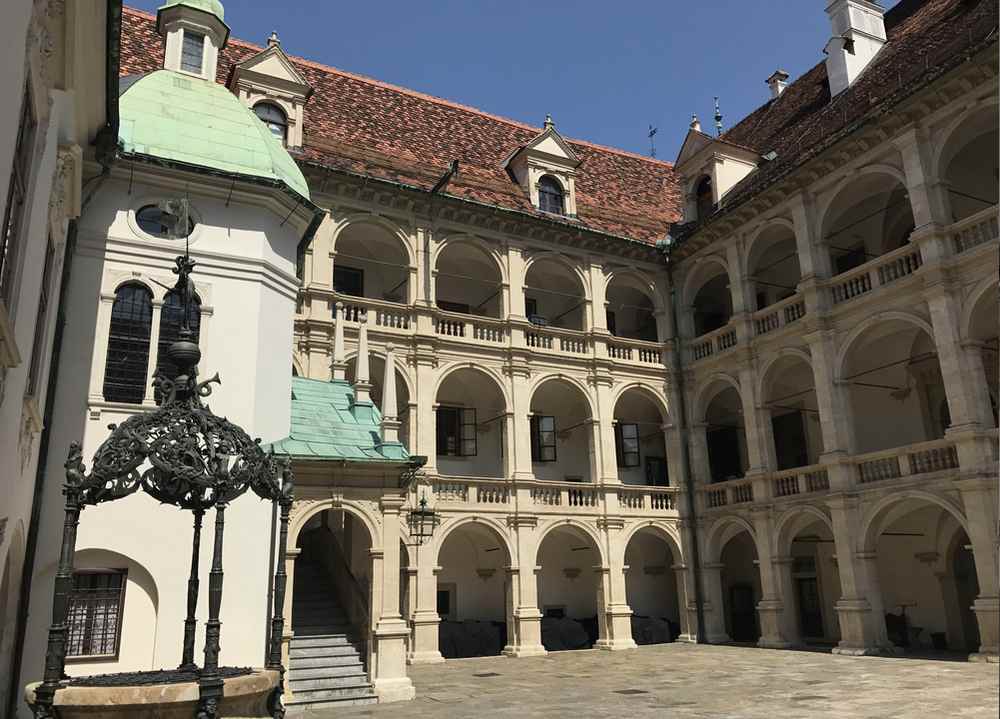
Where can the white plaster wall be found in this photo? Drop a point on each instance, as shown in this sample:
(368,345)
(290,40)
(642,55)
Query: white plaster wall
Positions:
(650,584)
(475,596)
(572,456)
(579,594)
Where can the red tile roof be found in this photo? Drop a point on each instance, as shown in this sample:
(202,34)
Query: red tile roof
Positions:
(365,126)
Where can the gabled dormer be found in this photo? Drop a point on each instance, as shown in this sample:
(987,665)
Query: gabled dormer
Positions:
(708,168)
(546,169)
(270,84)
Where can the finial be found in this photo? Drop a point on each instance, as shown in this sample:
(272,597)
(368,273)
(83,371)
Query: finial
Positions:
(272,40)
(695,123)
(549,125)
(718,118)
(338,366)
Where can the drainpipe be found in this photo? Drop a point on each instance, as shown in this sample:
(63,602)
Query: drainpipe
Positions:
(678,371)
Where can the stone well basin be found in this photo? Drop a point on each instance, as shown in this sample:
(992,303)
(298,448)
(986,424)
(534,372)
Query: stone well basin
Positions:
(245,696)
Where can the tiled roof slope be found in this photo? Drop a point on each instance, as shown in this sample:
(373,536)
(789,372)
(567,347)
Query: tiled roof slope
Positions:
(325,428)
(925,38)
(364,126)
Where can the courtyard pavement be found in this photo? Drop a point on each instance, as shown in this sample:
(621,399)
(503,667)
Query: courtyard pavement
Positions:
(688,681)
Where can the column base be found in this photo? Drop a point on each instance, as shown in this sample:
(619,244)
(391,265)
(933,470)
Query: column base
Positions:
(615,645)
(985,658)
(849,651)
(429,657)
(722,638)
(766,643)
(536,650)
(399,689)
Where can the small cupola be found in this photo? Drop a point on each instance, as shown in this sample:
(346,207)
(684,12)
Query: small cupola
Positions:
(546,169)
(858,28)
(194,31)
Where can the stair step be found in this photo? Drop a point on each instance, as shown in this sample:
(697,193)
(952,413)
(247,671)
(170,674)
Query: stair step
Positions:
(299,672)
(320,683)
(326,662)
(312,649)
(360,691)
(302,709)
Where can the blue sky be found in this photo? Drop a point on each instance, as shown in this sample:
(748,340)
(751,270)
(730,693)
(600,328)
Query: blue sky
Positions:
(604,70)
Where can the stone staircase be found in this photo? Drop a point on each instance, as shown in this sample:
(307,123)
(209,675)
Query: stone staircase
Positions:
(326,665)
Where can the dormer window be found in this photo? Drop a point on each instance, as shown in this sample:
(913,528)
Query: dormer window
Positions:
(703,197)
(192,52)
(550,196)
(275,119)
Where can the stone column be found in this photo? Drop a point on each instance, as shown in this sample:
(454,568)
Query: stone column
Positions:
(859,609)
(525,630)
(154,347)
(388,667)
(714,605)
(423,438)
(771,607)
(515,280)
(979,496)
(614,610)
(520,393)
(927,199)
(424,618)
(101,347)
(685,603)
(700,466)
(756,456)
(835,413)
(598,296)
(789,621)
(603,436)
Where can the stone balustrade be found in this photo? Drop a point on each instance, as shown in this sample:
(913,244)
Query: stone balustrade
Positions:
(874,274)
(778,315)
(714,342)
(635,351)
(975,230)
(923,458)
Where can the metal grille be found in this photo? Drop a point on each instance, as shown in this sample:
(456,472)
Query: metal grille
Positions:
(10,232)
(170,326)
(128,345)
(95,613)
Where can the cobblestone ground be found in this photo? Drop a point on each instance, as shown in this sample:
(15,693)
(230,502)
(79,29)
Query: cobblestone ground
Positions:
(685,681)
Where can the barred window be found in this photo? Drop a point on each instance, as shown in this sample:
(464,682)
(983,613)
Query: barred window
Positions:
(95,613)
(192,52)
(550,196)
(41,322)
(128,345)
(17,195)
(170,328)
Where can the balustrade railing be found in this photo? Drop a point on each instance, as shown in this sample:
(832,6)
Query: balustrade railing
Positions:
(924,458)
(646,499)
(628,350)
(778,315)
(975,230)
(383,315)
(477,329)
(800,480)
(714,342)
(567,342)
(877,273)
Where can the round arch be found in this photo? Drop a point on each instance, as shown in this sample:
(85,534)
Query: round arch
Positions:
(880,515)
(943,151)
(477,244)
(823,209)
(665,532)
(361,218)
(305,510)
(723,530)
(491,374)
(793,521)
(859,330)
(981,292)
(494,527)
(710,387)
(784,353)
(700,273)
(572,268)
(651,393)
(637,280)
(572,382)
(581,528)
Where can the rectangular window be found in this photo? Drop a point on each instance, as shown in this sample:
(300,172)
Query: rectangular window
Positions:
(95,613)
(349,281)
(543,438)
(627,444)
(456,431)
(192,52)
(17,195)
(41,322)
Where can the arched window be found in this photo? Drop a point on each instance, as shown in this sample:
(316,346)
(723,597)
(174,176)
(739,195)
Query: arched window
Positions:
(128,345)
(170,327)
(275,119)
(153,220)
(703,197)
(550,196)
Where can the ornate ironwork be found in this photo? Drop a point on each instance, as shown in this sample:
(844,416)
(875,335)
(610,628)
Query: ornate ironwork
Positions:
(184,455)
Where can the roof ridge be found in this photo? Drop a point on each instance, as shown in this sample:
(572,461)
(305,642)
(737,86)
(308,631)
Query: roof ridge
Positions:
(424,96)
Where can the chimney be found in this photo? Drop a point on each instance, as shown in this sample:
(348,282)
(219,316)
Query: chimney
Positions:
(858,34)
(777,83)
(695,123)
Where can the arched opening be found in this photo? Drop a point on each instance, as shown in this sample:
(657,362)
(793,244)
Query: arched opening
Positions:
(470,417)
(371,262)
(926,577)
(640,446)
(376,369)
(630,311)
(331,604)
(712,305)
(790,395)
(473,592)
(983,332)
(774,265)
(561,441)
(704,201)
(741,588)
(869,217)
(969,165)
(568,585)
(550,196)
(651,588)
(274,118)
(554,295)
(128,344)
(895,386)
(467,281)
(171,321)
(725,435)
(814,585)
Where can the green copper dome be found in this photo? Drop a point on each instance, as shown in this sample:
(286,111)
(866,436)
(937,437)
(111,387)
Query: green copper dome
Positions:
(198,122)
(213,7)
